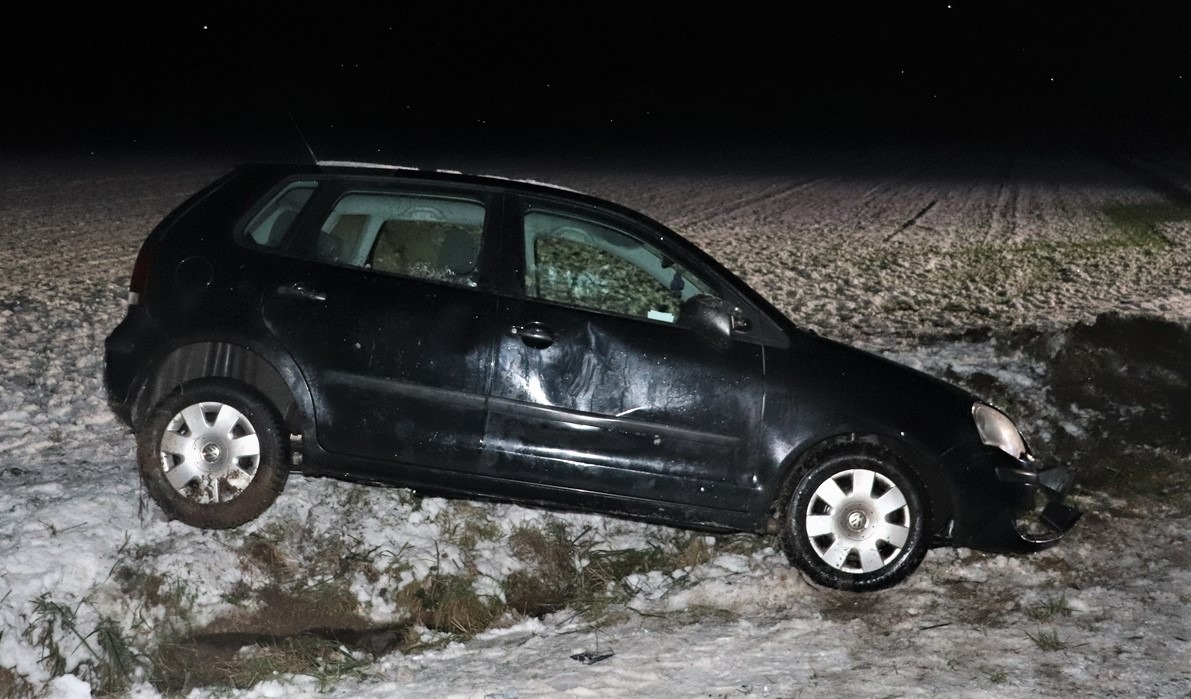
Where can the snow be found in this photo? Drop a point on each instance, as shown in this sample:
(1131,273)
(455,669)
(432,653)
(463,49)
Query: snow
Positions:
(68,687)
(887,250)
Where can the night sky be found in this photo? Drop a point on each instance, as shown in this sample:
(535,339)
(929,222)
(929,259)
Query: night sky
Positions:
(116,77)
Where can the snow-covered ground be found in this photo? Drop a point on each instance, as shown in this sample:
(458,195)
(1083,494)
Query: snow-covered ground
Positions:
(897,252)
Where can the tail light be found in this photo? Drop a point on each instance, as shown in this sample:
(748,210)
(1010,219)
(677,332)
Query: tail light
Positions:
(140,272)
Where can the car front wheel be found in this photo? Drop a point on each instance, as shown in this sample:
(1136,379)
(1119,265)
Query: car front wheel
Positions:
(855,519)
(212,455)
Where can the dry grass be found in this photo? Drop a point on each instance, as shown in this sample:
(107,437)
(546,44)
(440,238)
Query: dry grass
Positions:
(1047,640)
(449,603)
(109,662)
(14,686)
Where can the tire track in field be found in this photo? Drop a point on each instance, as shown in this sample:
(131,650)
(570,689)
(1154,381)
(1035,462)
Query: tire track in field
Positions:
(663,197)
(729,209)
(913,219)
(658,197)
(670,198)
(694,200)
(870,212)
(1003,226)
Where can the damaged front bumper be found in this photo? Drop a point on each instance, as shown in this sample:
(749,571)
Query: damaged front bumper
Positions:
(1043,518)
(1009,505)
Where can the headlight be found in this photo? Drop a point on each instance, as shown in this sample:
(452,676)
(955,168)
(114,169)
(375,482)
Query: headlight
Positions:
(998,431)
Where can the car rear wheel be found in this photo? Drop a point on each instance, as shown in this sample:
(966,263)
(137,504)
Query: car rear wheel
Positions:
(212,454)
(855,519)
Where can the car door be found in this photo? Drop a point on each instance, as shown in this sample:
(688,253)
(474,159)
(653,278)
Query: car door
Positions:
(382,306)
(598,387)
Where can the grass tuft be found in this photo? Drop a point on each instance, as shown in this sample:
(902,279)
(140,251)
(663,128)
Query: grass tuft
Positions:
(467,524)
(156,591)
(51,620)
(1049,609)
(110,662)
(1047,640)
(117,662)
(449,603)
(568,571)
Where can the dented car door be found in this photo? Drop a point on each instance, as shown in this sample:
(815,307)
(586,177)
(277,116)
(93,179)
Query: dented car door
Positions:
(598,386)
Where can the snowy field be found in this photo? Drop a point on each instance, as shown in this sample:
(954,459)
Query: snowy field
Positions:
(987,269)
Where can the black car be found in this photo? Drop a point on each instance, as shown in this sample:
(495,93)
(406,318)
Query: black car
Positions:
(483,337)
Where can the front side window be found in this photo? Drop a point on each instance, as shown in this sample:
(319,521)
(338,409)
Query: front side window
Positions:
(415,235)
(585,263)
(270,225)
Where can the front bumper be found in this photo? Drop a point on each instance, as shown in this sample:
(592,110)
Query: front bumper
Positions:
(1045,518)
(1008,505)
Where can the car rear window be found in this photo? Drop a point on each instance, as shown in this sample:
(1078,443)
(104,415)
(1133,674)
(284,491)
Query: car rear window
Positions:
(270,225)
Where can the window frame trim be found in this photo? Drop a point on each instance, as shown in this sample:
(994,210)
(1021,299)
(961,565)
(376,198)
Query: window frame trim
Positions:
(764,330)
(303,232)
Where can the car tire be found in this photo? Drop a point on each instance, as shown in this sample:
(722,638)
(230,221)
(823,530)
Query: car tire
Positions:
(212,454)
(855,519)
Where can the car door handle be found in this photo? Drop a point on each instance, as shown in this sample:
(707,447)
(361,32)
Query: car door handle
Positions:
(301,291)
(535,335)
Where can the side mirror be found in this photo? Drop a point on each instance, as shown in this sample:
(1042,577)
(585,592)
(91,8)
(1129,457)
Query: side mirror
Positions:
(712,319)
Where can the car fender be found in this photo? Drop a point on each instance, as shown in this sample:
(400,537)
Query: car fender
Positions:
(938,487)
(270,371)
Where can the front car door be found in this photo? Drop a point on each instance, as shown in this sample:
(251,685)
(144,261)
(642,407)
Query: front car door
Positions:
(599,387)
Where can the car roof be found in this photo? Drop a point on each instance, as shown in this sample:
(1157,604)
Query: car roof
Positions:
(413,174)
(383,170)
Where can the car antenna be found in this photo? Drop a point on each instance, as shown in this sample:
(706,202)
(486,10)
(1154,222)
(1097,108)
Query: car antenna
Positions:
(303,137)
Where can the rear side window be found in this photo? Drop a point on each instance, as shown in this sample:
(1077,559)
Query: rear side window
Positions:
(416,235)
(270,225)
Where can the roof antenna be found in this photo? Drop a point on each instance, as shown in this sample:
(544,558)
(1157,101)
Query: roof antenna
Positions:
(302,136)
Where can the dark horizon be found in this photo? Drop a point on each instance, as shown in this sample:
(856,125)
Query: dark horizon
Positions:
(394,78)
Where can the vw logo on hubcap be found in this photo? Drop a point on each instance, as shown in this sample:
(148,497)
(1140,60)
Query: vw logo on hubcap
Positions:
(211,452)
(857,521)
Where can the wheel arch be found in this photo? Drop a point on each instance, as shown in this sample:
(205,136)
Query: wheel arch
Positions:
(928,470)
(283,388)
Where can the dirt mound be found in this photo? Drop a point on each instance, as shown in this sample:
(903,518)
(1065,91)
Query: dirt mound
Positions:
(1133,371)
(1125,381)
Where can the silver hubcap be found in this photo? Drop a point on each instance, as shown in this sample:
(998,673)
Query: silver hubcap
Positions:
(210,452)
(858,521)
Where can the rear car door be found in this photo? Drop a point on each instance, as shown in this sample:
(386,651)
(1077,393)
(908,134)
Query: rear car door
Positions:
(379,298)
(598,386)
